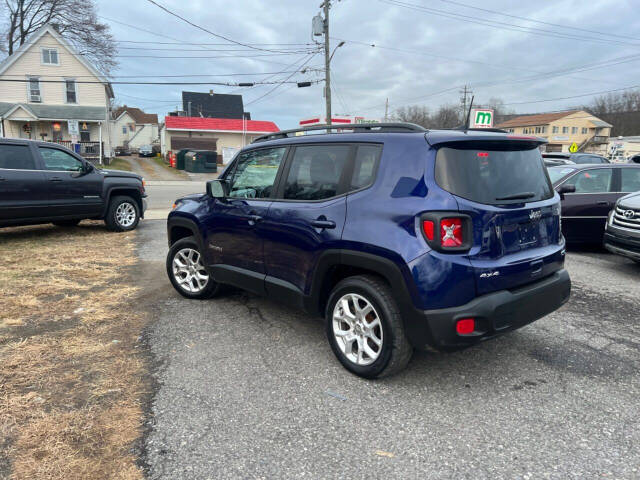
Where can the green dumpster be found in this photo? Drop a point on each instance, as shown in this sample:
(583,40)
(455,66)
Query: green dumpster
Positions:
(180,158)
(201,161)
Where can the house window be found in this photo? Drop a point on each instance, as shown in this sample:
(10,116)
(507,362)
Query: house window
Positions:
(555,129)
(543,129)
(574,130)
(71,91)
(34,89)
(124,129)
(50,56)
(585,130)
(132,127)
(565,129)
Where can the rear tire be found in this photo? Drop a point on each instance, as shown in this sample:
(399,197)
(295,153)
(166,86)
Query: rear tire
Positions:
(187,272)
(123,214)
(365,329)
(66,223)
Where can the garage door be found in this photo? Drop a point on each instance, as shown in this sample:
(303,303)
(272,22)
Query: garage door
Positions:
(178,143)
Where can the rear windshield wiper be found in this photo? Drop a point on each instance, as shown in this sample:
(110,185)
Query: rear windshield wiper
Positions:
(518,196)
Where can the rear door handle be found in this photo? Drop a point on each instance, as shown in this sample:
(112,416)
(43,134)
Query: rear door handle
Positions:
(2,179)
(55,179)
(602,202)
(323,224)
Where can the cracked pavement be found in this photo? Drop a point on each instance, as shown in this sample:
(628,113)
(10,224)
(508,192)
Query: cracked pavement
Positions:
(247,388)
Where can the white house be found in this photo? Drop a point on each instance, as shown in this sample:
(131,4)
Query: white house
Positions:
(46,86)
(132,128)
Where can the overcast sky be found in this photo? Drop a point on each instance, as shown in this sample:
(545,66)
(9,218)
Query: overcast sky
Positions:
(444,53)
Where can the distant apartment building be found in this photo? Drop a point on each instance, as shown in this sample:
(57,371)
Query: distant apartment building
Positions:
(562,129)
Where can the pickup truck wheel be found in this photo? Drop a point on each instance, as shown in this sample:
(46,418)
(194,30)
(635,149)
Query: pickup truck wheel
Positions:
(364,327)
(123,214)
(187,272)
(66,223)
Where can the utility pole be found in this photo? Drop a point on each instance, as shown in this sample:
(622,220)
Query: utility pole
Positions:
(463,100)
(327,61)
(386,110)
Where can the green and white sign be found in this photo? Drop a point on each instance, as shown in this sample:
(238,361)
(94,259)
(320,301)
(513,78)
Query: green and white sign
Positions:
(481,118)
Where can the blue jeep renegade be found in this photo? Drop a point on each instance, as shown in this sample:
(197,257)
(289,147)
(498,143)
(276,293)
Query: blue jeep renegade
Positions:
(399,237)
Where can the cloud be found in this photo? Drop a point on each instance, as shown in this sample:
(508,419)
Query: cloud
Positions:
(365,76)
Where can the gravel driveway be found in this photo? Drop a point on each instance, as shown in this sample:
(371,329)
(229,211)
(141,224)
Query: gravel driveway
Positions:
(250,389)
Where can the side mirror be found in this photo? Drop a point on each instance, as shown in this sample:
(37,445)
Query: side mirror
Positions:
(88,168)
(567,189)
(217,188)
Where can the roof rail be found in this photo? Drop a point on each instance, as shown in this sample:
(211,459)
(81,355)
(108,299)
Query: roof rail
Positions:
(357,127)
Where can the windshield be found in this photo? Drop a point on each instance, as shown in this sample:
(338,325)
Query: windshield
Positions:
(556,173)
(493,176)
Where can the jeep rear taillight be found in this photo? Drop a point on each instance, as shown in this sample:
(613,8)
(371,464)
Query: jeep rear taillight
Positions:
(447,231)
(451,233)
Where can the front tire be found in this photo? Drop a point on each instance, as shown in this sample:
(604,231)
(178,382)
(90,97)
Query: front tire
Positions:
(187,272)
(365,329)
(123,214)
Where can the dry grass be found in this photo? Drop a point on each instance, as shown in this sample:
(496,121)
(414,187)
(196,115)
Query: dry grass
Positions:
(72,378)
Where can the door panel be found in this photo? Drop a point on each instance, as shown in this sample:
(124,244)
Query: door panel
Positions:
(23,188)
(71,191)
(584,213)
(309,215)
(233,231)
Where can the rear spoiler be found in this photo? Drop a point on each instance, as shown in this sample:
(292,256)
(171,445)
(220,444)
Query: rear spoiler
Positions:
(482,138)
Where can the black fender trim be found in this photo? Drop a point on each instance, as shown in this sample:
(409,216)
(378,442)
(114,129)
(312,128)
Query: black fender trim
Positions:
(189,225)
(414,324)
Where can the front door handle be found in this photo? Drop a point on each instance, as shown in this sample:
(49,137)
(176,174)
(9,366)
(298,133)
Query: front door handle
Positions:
(55,179)
(323,224)
(253,219)
(602,202)
(2,179)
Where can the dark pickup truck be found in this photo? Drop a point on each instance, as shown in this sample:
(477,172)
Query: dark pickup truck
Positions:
(44,182)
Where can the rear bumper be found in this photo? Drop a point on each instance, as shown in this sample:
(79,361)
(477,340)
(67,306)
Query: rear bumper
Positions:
(495,313)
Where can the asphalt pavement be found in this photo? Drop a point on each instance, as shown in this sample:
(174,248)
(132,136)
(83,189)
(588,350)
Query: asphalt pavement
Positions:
(247,388)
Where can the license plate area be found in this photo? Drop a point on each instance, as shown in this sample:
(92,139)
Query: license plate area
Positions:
(528,234)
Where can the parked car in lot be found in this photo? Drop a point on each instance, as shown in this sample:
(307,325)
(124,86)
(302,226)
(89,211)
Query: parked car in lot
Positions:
(622,234)
(146,151)
(122,151)
(634,159)
(400,238)
(559,158)
(588,194)
(44,182)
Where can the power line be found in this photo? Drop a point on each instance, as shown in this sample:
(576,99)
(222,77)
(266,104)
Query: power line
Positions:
(574,96)
(211,44)
(538,21)
(281,83)
(217,35)
(501,25)
(88,82)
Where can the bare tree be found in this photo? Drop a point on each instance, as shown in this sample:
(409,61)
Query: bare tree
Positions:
(75,20)
(417,114)
(622,110)
(447,116)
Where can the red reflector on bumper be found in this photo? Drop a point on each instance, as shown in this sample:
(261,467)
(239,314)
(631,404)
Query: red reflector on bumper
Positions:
(465,326)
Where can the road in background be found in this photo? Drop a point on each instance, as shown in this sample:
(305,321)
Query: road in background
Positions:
(250,389)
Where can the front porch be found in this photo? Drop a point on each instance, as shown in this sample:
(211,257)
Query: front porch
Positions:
(24,121)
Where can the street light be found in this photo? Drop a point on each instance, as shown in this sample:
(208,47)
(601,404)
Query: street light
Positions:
(334,50)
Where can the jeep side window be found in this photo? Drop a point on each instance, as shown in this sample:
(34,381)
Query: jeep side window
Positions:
(255,173)
(16,157)
(59,161)
(365,166)
(315,172)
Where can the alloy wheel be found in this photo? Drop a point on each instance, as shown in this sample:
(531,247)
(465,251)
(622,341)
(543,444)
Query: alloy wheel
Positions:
(357,329)
(189,271)
(125,214)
